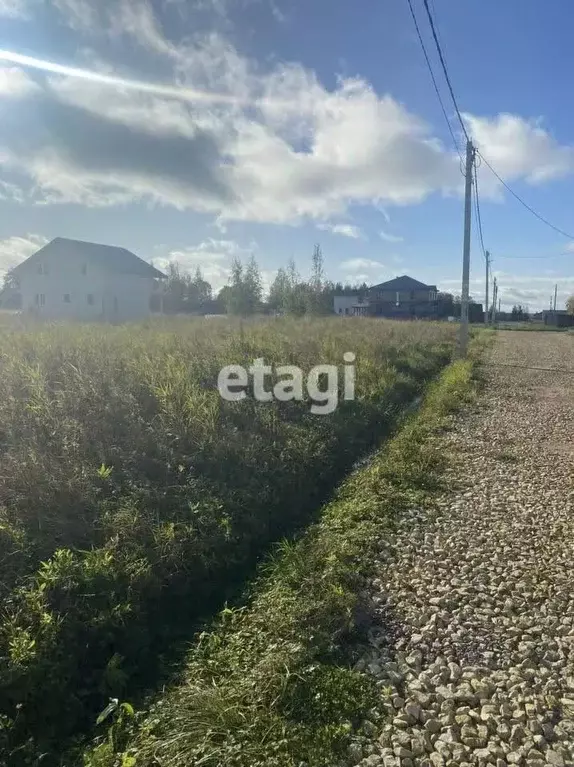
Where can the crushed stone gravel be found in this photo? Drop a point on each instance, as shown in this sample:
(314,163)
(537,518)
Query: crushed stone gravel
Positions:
(473,643)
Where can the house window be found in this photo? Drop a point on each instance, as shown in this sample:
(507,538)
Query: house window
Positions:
(67,298)
(37,299)
(340,310)
(84,269)
(40,299)
(90,298)
(347,310)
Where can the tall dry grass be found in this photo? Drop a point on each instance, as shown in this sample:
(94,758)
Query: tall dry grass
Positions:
(134,500)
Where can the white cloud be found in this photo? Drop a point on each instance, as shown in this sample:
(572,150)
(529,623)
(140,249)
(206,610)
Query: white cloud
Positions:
(257,144)
(299,152)
(133,19)
(79,14)
(359,270)
(14,250)
(14,81)
(390,237)
(14,8)
(346,230)
(518,148)
(212,256)
(533,290)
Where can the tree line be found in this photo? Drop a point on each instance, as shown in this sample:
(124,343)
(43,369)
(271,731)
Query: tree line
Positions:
(244,296)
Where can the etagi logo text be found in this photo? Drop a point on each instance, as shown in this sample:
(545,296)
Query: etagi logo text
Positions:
(321,383)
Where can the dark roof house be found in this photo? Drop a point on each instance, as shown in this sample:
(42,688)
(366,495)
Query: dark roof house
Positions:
(77,280)
(403,284)
(109,257)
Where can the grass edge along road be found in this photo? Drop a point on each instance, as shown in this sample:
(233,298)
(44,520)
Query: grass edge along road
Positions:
(270,684)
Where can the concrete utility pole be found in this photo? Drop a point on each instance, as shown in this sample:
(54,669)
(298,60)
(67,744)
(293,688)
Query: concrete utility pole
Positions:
(495,291)
(555,295)
(463,343)
(487,257)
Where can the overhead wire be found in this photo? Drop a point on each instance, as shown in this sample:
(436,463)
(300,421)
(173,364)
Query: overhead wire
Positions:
(477,212)
(444,68)
(522,202)
(434,82)
(487,163)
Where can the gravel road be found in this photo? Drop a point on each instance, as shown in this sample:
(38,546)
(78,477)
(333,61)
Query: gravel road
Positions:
(479,592)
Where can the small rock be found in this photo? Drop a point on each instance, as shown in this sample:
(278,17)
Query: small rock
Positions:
(554,758)
(514,757)
(433,725)
(436,759)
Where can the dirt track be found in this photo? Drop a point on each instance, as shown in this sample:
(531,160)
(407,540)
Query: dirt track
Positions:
(482,588)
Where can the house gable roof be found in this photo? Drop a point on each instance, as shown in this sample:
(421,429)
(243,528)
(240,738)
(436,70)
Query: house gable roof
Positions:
(404,283)
(110,258)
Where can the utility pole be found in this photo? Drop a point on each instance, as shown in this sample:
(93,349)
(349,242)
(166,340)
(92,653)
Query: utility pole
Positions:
(495,291)
(487,257)
(463,344)
(555,295)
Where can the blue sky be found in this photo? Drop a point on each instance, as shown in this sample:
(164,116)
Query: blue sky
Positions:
(201,130)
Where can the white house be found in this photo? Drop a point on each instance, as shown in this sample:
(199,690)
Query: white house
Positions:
(70,279)
(350,305)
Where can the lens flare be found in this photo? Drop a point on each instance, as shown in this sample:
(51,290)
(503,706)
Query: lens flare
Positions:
(156,89)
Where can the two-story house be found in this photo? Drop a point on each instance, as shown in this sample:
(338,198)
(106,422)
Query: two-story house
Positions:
(71,279)
(403,297)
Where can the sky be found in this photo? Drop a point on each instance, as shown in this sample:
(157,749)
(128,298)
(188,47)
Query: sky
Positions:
(199,131)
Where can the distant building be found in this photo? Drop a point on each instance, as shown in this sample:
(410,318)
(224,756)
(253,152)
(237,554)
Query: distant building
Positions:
(403,297)
(70,279)
(353,306)
(558,318)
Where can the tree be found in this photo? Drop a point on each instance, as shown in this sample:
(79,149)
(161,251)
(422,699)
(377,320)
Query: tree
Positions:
(316,302)
(296,295)
(10,296)
(184,293)
(198,292)
(446,305)
(235,303)
(244,295)
(570,305)
(175,289)
(252,287)
(279,292)
(519,313)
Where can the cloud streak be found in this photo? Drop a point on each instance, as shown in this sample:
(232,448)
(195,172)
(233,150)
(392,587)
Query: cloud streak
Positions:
(232,139)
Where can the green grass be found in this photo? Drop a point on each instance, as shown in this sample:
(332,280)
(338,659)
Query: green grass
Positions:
(530,326)
(271,683)
(134,501)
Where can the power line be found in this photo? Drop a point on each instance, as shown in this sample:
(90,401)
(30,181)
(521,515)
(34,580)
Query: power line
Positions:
(521,201)
(444,69)
(434,82)
(477,212)
(451,90)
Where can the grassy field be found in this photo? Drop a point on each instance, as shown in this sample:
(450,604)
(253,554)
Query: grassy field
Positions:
(135,501)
